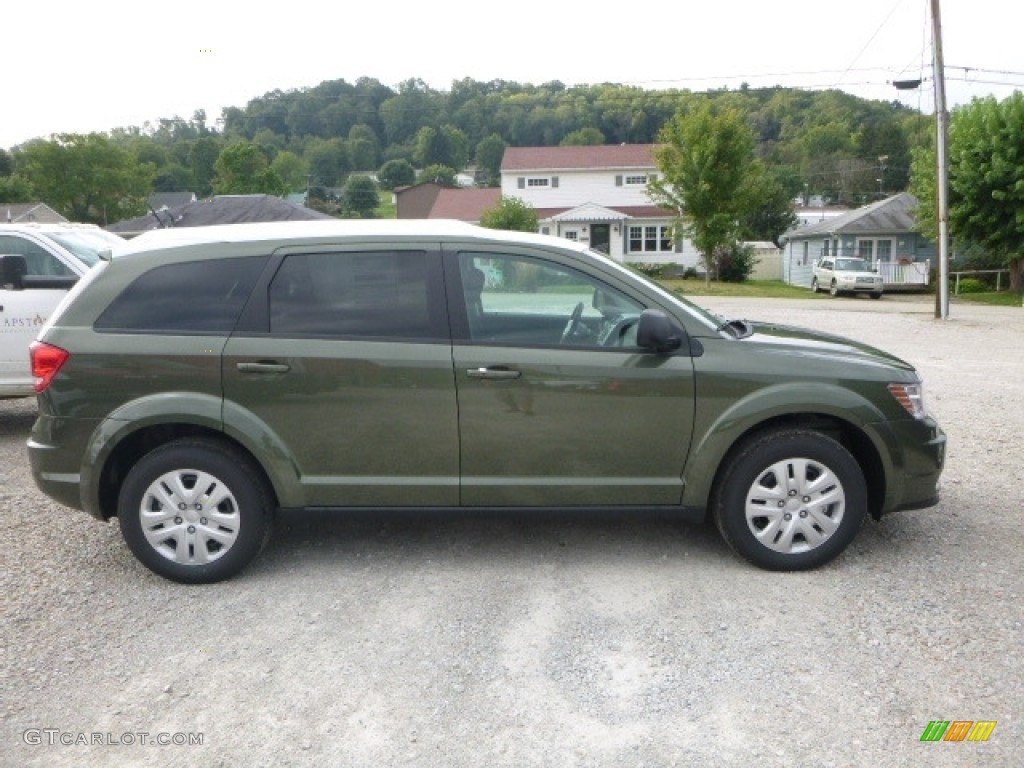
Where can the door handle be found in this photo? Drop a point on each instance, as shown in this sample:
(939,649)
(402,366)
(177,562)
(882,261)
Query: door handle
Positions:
(263,367)
(493,373)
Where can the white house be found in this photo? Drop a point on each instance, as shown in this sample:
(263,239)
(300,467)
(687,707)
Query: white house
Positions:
(597,195)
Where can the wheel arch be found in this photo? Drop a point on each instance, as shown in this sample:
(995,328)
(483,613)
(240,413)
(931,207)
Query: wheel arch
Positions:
(871,448)
(852,438)
(136,444)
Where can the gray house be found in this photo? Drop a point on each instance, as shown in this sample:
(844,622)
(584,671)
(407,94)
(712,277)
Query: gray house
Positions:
(24,213)
(882,233)
(222,209)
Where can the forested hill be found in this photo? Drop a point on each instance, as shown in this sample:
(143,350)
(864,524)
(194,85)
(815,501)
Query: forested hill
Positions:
(830,143)
(829,140)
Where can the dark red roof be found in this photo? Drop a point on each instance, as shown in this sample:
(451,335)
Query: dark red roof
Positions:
(464,204)
(578,158)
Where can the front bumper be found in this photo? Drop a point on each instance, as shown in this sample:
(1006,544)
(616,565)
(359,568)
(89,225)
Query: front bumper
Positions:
(923,446)
(852,285)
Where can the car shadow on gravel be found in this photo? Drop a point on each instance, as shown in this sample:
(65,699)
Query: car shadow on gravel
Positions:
(304,539)
(16,417)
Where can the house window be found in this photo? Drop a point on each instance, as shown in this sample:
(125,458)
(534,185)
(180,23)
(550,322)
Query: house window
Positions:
(650,239)
(824,251)
(538,182)
(666,239)
(636,181)
(885,250)
(865,249)
(572,234)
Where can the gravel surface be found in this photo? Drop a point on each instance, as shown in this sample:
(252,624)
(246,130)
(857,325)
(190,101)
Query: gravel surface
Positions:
(517,641)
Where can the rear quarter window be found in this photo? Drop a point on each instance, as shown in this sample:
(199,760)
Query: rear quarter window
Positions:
(192,297)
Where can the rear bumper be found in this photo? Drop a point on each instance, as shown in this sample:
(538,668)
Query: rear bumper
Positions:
(55,453)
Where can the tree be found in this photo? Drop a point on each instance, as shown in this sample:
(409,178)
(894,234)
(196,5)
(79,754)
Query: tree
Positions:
(489,153)
(328,161)
(361,198)
(396,173)
(15,189)
(242,169)
(438,174)
(986,182)
(292,169)
(588,136)
(202,159)
(709,177)
(442,146)
(87,177)
(770,213)
(510,213)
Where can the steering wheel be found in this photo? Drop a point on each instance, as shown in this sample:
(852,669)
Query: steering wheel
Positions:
(573,324)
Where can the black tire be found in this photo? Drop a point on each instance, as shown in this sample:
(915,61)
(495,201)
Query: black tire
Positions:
(228,529)
(824,515)
(814,285)
(876,294)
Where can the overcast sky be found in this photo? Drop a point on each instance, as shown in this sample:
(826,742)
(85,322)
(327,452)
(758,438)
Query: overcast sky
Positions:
(74,66)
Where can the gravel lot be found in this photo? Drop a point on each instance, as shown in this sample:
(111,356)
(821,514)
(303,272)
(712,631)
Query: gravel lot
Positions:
(514,641)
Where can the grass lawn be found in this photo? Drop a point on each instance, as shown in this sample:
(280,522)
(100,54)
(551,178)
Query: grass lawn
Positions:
(771,289)
(1001,299)
(387,208)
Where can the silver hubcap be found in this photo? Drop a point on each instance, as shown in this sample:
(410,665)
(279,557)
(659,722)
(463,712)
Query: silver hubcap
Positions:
(795,505)
(189,516)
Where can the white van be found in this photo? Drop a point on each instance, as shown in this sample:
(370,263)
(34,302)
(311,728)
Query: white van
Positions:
(38,264)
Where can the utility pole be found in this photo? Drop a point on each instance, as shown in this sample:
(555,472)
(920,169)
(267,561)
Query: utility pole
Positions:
(942,175)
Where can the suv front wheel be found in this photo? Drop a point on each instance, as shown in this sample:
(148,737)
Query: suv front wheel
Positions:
(194,511)
(790,500)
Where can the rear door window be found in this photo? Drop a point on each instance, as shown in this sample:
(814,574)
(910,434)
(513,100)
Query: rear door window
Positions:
(373,294)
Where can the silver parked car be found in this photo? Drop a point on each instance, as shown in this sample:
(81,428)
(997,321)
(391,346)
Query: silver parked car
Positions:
(846,275)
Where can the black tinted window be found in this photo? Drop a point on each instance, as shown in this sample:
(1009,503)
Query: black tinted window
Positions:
(193,297)
(375,294)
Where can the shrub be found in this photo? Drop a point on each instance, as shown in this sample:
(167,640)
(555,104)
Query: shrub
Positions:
(653,271)
(971,285)
(735,263)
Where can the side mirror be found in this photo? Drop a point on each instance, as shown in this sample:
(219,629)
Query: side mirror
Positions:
(657,333)
(12,271)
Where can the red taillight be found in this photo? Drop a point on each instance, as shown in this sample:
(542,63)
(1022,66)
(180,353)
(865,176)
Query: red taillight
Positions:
(46,361)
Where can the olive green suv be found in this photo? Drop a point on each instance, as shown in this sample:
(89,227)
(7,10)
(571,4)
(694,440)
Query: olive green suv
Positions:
(202,380)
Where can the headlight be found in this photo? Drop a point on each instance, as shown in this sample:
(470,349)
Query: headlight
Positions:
(911,397)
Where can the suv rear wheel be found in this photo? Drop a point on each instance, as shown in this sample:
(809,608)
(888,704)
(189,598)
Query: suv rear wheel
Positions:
(194,511)
(790,500)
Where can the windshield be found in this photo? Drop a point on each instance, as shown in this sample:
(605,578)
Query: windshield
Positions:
(853,265)
(86,244)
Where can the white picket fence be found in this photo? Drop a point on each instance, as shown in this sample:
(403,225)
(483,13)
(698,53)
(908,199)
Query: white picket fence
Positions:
(914,274)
